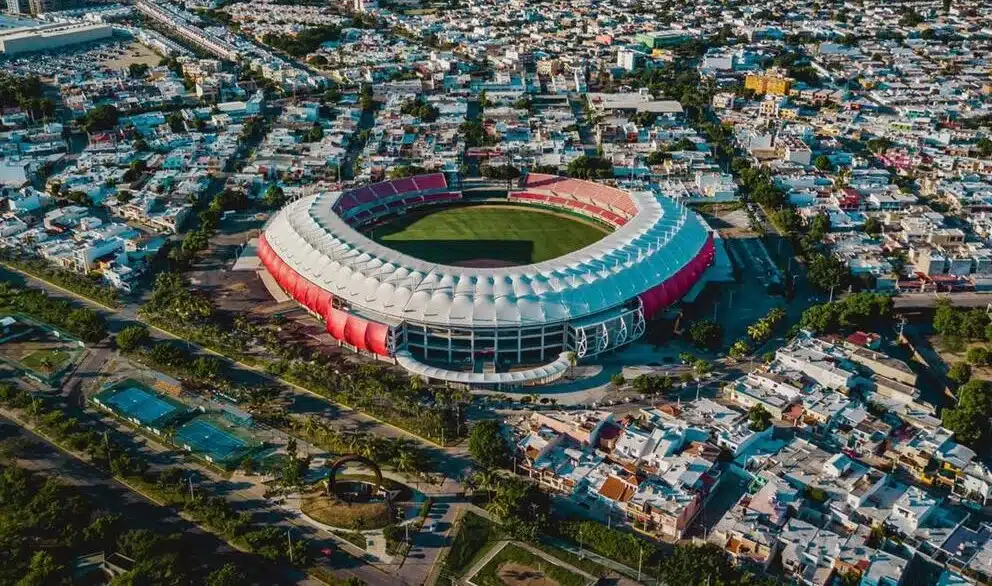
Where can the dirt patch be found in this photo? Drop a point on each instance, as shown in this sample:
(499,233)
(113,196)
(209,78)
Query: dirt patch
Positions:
(135,53)
(337,513)
(514,574)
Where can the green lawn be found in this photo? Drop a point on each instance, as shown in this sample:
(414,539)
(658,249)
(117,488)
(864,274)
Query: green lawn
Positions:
(475,536)
(491,232)
(520,567)
(45,361)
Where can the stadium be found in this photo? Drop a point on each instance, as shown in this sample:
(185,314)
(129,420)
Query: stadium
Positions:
(486,315)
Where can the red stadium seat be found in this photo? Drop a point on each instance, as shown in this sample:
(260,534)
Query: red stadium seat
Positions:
(363,195)
(404,185)
(384,189)
(432,181)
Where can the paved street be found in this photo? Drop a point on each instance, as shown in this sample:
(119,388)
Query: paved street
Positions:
(244,496)
(301,401)
(107,493)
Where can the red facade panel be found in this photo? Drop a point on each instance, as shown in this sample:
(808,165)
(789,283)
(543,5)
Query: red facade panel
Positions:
(336,321)
(354,332)
(676,286)
(306,293)
(323,303)
(376,336)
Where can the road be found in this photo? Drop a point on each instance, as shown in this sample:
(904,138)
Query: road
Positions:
(428,544)
(245,496)
(301,401)
(926,300)
(105,492)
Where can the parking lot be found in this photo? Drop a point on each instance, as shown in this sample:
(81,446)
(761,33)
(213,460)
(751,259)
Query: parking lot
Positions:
(80,60)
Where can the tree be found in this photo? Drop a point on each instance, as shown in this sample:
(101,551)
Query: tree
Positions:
(420,109)
(959,372)
(172,299)
(102,531)
(826,272)
(873,226)
(131,337)
(978,356)
(316,133)
(226,575)
(585,167)
(701,368)
(706,334)
(474,134)
(759,419)
(43,570)
(505,173)
(819,227)
(101,118)
(697,565)
(401,171)
(487,445)
(879,145)
(618,380)
(646,384)
(823,163)
(206,367)
(969,420)
(739,349)
(87,324)
(945,318)
(274,196)
(984,147)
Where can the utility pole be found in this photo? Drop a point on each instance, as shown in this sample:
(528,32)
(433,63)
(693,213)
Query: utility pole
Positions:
(289,537)
(640,558)
(191,497)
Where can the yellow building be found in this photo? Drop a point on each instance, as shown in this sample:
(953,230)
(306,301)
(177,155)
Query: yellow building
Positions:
(774,84)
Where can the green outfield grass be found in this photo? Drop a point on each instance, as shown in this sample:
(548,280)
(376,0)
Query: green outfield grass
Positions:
(508,235)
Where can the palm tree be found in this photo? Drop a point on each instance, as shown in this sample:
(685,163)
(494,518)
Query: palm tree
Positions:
(309,425)
(353,441)
(487,480)
(372,448)
(573,359)
(405,460)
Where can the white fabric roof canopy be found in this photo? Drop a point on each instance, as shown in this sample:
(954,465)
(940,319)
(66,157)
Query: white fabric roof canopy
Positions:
(310,237)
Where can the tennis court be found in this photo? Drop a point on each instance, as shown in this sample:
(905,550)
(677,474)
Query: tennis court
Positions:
(205,436)
(136,403)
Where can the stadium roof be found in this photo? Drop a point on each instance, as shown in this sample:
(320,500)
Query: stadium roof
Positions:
(389,286)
